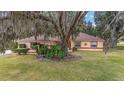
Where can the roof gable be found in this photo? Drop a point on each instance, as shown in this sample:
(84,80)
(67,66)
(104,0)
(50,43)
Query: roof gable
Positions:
(86,37)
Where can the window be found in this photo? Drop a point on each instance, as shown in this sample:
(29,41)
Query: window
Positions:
(22,45)
(93,44)
(77,44)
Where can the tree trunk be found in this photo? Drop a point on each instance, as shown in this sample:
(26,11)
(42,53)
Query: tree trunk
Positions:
(35,38)
(64,44)
(114,43)
(106,46)
(113,38)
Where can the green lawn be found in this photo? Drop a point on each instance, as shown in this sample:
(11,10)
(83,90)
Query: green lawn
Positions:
(120,46)
(92,66)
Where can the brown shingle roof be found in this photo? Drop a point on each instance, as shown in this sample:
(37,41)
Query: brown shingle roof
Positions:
(39,38)
(86,37)
(80,37)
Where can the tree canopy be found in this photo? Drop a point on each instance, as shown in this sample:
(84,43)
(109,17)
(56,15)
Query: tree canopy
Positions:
(64,24)
(20,24)
(109,26)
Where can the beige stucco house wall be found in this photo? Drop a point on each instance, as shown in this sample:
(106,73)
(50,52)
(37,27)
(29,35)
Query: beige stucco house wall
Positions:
(86,45)
(28,45)
(82,42)
(72,44)
(88,42)
(100,45)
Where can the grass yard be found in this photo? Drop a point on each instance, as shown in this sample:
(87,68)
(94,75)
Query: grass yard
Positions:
(92,66)
(120,46)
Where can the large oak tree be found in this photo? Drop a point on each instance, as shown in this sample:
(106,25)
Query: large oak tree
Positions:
(29,23)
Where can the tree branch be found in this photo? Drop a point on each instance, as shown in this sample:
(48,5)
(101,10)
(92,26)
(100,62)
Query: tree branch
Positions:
(79,16)
(108,26)
(61,19)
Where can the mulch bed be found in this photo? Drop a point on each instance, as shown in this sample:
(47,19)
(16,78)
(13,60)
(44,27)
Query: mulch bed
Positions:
(67,58)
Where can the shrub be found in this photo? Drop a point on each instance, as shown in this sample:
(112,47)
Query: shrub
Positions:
(58,51)
(49,54)
(54,51)
(36,47)
(34,44)
(22,51)
(61,54)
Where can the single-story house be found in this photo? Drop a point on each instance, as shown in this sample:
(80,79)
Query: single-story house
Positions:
(40,39)
(88,42)
(82,42)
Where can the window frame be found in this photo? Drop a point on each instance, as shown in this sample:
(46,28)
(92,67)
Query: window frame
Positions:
(93,45)
(78,44)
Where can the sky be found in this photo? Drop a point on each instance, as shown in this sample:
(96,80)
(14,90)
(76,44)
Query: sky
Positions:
(90,17)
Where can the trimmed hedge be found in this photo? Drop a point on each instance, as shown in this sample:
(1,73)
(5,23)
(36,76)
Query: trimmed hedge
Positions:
(22,51)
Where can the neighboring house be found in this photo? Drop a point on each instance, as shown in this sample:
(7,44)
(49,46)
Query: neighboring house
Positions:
(82,42)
